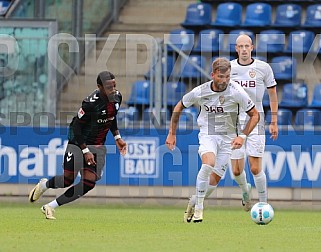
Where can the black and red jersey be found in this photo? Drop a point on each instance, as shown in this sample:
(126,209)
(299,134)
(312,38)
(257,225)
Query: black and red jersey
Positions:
(94,119)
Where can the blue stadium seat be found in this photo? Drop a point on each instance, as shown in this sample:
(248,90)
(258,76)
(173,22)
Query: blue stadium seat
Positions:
(284,116)
(294,95)
(300,41)
(258,14)
(310,117)
(188,117)
(232,36)
(168,63)
(228,14)
(266,99)
(149,116)
(140,93)
(175,92)
(187,70)
(210,41)
(288,15)
(183,39)
(313,16)
(270,41)
(198,14)
(4,6)
(127,115)
(284,67)
(316,98)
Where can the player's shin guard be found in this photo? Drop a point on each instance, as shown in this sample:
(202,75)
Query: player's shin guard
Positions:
(76,192)
(260,184)
(202,184)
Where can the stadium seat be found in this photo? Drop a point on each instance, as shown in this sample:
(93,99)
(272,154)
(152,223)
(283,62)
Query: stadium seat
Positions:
(266,99)
(284,67)
(316,98)
(258,14)
(288,15)
(168,63)
(300,41)
(140,93)
(188,117)
(270,41)
(310,117)
(284,116)
(313,16)
(228,14)
(175,92)
(188,70)
(209,41)
(149,116)
(232,36)
(183,39)
(4,6)
(197,15)
(294,95)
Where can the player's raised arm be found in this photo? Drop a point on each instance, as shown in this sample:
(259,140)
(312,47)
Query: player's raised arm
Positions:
(171,137)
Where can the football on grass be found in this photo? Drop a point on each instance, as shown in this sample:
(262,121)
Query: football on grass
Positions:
(262,213)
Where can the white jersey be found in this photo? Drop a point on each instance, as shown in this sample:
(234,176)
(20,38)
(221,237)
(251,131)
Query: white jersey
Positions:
(254,78)
(219,110)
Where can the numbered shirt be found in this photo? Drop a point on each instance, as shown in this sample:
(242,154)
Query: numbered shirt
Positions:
(219,110)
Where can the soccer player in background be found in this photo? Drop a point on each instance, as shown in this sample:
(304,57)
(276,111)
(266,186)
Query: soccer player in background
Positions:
(219,100)
(85,152)
(255,76)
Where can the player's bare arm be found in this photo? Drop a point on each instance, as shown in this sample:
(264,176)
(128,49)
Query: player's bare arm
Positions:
(273,127)
(171,137)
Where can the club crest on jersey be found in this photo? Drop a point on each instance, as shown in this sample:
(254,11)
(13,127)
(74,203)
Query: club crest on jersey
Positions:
(81,113)
(221,99)
(252,73)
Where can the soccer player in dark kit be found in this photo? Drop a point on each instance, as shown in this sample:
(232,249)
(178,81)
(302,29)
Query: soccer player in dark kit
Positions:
(85,152)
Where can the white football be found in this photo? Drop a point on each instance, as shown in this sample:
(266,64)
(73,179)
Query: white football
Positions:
(262,213)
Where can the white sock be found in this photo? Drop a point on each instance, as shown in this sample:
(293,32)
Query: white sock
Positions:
(260,184)
(210,189)
(242,182)
(53,204)
(202,185)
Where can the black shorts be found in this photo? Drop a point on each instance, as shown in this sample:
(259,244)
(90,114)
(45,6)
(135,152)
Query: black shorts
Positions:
(74,160)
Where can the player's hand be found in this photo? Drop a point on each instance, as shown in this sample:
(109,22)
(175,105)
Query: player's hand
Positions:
(274,131)
(237,143)
(171,142)
(122,146)
(90,159)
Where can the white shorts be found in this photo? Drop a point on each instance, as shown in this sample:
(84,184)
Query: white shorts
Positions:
(254,147)
(220,148)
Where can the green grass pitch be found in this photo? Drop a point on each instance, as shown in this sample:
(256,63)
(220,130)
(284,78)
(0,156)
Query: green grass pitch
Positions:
(132,228)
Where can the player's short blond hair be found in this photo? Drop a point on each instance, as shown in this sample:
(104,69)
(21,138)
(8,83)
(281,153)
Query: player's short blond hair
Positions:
(221,64)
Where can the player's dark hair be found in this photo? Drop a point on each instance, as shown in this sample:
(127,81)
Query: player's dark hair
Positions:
(104,76)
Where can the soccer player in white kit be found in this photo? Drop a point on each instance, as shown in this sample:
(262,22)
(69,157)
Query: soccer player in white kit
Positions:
(255,76)
(219,101)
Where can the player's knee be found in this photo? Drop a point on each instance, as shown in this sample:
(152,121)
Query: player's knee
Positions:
(88,185)
(68,181)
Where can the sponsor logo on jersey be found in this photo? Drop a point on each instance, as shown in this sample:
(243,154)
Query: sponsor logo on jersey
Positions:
(252,73)
(246,83)
(81,113)
(214,109)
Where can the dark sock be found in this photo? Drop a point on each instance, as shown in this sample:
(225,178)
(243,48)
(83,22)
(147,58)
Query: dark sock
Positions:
(75,192)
